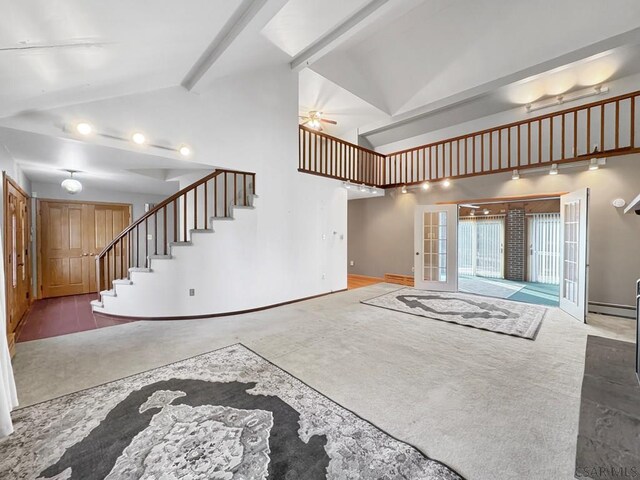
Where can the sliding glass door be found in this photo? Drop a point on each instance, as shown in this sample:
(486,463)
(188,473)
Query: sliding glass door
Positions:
(481,246)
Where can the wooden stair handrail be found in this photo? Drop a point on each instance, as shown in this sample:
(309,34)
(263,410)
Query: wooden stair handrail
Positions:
(124,251)
(166,202)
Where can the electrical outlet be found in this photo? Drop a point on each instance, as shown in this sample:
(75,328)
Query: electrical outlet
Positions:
(192,292)
(323,276)
(413,269)
(149,236)
(324,237)
(351,263)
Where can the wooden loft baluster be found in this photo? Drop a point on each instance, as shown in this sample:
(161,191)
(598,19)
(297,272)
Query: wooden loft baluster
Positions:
(499,149)
(519,146)
(509,148)
(575,134)
(563,131)
(551,139)
(588,130)
(195,208)
(482,152)
(617,125)
(490,151)
(632,123)
(529,144)
(451,159)
(602,127)
(539,141)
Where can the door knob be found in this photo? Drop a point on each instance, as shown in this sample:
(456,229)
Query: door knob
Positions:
(85,254)
(417,253)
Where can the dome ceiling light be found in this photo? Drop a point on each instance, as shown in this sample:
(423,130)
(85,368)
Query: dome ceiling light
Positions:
(71,185)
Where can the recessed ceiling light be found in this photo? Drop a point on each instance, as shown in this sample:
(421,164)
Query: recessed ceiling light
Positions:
(446,183)
(83,128)
(184,150)
(472,213)
(486,211)
(138,138)
(425,186)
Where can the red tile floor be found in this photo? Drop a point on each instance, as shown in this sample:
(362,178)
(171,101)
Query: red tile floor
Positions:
(62,315)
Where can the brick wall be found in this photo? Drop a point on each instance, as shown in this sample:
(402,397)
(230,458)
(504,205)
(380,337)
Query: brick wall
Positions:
(516,245)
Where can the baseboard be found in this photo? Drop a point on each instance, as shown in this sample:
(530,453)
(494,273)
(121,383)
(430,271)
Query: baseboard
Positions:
(11,340)
(224,314)
(364,277)
(406,280)
(625,311)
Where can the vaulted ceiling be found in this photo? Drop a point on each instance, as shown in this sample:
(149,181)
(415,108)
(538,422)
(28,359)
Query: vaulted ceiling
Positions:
(384,69)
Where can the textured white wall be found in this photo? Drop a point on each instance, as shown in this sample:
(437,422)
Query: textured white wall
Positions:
(283,250)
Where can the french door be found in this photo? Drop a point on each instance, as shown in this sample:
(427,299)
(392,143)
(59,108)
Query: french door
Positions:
(435,229)
(574,264)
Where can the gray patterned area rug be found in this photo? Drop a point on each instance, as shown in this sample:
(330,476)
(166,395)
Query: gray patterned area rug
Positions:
(496,315)
(225,415)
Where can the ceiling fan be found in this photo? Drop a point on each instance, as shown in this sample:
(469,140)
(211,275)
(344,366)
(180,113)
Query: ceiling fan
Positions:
(315,120)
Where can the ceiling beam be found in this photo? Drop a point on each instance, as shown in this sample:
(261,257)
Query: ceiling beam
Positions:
(328,42)
(229,32)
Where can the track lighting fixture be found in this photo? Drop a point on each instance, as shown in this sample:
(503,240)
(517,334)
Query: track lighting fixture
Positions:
(515,175)
(404,189)
(593,164)
(554,169)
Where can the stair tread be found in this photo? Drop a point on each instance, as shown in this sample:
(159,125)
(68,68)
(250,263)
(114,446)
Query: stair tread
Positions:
(140,269)
(122,281)
(109,293)
(97,303)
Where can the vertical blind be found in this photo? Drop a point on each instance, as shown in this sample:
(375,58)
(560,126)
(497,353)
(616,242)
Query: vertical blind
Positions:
(481,246)
(544,248)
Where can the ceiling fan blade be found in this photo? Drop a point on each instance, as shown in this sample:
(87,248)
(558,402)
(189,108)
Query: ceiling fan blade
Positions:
(332,122)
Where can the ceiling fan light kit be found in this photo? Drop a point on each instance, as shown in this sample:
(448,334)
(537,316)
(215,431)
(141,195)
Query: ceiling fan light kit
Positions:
(314,120)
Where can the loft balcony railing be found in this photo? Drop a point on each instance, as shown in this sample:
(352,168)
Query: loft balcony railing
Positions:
(600,129)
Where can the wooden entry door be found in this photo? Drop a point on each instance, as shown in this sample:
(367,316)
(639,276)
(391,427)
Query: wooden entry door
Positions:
(71,235)
(17,253)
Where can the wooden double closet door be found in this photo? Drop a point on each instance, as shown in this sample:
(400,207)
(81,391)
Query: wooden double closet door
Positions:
(71,234)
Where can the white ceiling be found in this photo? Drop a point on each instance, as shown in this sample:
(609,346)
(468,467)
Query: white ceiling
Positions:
(44,158)
(139,45)
(336,103)
(383,69)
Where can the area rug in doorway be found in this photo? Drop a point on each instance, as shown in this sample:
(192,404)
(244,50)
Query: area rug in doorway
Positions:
(496,315)
(226,415)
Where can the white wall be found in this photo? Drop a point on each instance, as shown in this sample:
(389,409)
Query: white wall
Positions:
(247,122)
(53,191)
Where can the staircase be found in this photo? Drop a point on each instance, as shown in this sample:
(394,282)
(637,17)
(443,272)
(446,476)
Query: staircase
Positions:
(147,246)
